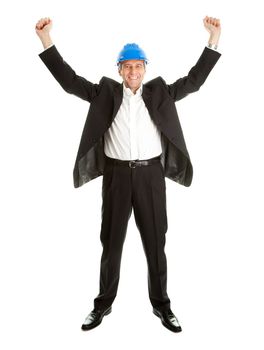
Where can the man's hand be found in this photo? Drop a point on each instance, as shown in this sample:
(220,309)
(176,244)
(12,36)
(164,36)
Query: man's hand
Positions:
(43,28)
(213,26)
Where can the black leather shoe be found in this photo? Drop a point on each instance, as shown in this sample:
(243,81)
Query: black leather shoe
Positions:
(95,318)
(168,319)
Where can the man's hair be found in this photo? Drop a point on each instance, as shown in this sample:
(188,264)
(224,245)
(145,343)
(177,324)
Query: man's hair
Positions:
(120,65)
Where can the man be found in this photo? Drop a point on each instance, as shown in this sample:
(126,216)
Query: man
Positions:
(132,136)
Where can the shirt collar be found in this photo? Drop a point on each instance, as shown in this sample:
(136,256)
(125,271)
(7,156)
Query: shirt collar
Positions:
(129,92)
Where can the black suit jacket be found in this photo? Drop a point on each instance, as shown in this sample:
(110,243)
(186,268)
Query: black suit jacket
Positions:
(105,99)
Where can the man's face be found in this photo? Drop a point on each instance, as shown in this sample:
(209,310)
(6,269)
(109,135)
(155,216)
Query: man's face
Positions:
(132,72)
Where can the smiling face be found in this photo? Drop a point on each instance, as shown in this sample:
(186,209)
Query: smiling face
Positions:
(132,72)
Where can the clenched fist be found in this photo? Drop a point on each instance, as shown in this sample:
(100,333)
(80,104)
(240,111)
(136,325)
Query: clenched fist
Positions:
(212,25)
(43,28)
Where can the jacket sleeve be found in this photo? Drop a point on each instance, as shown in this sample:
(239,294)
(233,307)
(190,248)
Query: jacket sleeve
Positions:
(66,76)
(196,76)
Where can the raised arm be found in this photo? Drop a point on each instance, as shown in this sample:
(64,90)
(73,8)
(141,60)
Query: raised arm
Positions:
(62,72)
(200,71)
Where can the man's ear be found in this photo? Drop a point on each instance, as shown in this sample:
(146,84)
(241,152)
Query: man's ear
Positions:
(119,68)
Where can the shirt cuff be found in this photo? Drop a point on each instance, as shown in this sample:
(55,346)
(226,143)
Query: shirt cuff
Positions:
(212,46)
(47,47)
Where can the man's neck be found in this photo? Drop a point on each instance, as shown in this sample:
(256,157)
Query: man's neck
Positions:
(134,90)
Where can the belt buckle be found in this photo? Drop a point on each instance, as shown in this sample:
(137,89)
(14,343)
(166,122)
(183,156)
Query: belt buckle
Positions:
(131,163)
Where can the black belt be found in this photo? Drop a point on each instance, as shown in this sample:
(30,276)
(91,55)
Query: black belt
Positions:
(133,163)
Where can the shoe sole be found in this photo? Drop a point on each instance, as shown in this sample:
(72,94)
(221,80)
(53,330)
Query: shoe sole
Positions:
(173,329)
(87,328)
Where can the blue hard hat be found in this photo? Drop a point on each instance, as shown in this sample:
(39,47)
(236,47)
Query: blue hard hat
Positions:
(131,52)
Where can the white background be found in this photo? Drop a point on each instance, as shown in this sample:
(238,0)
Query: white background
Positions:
(50,249)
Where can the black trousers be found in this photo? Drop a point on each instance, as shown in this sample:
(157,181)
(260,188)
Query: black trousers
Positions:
(143,189)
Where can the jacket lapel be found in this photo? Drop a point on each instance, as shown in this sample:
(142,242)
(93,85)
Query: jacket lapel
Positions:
(148,100)
(146,95)
(118,97)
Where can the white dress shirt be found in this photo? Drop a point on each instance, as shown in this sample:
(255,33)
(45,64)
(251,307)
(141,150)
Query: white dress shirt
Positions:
(132,134)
